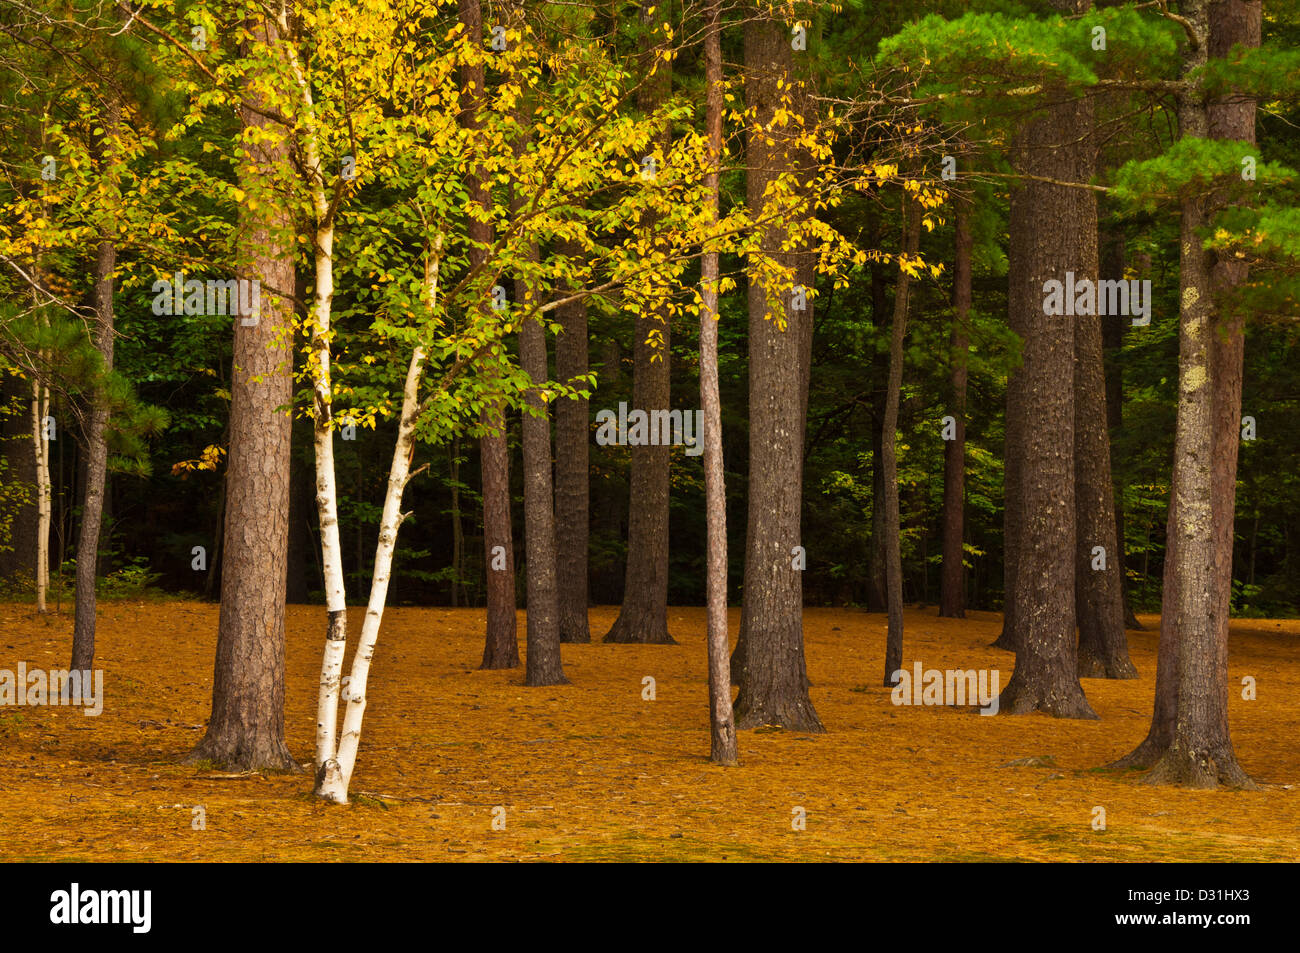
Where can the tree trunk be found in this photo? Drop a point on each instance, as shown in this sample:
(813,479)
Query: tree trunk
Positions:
(643,617)
(572,486)
(1189,741)
(501,644)
(722,725)
(1200,751)
(96,466)
(542,663)
(952,585)
(772,671)
(246,730)
(1050,229)
(501,647)
(41,455)
(336,774)
(889,446)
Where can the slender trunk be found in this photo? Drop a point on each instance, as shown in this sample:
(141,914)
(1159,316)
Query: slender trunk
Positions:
(334,782)
(41,454)
(722,725)
(96,468)
(889,447)
(952,585)
(323,423)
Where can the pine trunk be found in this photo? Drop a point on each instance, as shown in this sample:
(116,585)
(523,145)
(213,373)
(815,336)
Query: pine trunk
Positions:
(643,617)
(772,672)
(572,486)
(1200,751)
(1050,229)
(246,729)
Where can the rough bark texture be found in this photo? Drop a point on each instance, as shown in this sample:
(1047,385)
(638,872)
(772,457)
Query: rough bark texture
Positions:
(246,730)
(889,454)
(1188,741)
(772,671)
(501,647)
(952,583)
(572,486)
(542,664)
(1050,228)
(501,643)
(96,447)
(722,722)
(1200,751)
(643,617)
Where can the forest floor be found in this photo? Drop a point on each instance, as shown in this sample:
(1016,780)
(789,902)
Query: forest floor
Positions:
(591,771)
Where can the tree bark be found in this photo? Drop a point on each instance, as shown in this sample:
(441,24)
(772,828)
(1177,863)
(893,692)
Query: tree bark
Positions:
(889,455)
(952,584)
(722,724)
(643,617)
(1189,741)
(96,464)
(1200,752)
(572,485)
(335,777)
(501,643)
(1050,229)
(542,663)
(501,647)
(772,671)
(246,730)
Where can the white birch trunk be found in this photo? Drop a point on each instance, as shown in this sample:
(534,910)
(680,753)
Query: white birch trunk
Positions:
(327,511)
(336,633)
(334,787)
(41,450)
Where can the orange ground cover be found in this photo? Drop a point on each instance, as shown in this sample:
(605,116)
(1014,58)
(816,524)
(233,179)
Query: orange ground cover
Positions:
(591,771)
